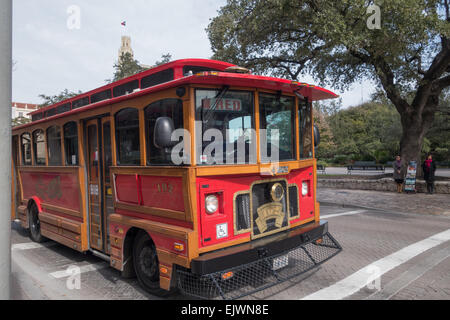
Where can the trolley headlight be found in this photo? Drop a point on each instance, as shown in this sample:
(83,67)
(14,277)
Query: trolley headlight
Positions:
(305,188)
(277,192)
(211,204)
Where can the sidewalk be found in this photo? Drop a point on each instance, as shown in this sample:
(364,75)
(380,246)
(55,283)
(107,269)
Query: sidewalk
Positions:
(436,204)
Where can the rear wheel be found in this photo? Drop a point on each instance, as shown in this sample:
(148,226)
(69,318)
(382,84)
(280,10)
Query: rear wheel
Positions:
(35,224)
(146,264)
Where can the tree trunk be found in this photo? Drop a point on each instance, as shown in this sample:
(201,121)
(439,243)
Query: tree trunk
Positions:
(415,127)
(411,147)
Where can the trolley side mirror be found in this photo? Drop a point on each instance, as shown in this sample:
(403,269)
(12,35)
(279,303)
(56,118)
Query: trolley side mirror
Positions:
(316,136)
(162,136)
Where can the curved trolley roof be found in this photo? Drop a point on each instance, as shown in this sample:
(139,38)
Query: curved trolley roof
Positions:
(173,74)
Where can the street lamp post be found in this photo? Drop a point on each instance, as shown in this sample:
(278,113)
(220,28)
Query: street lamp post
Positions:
(5,146)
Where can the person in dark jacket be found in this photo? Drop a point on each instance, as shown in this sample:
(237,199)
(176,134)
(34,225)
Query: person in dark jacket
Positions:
(429,168)
(398,173)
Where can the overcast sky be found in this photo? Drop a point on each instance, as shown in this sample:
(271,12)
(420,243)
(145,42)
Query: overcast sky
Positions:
(51,57)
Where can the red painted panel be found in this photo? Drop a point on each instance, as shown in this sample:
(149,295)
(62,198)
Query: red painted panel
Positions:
(163,192)
(58,189)
(127,188)
(306,203)
(226,187)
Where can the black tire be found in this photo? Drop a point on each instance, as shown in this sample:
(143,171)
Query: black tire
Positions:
(35,224)
(146,265)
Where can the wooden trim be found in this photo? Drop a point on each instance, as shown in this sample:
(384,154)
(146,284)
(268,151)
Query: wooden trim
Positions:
(142,138)
(249,168)
(61,239)
(62,210)
(312,131)
(169,258)
(227,170)
(257,127)
(297,127)
(20,163)
(191,125)
(33,163)
(43,169)
(63,147)
(166,213)
(113,141)
(152,226)
(61,222)
(190,196)
(151,171)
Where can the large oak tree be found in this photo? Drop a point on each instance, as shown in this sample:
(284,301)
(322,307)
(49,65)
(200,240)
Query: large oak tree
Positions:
(408,56)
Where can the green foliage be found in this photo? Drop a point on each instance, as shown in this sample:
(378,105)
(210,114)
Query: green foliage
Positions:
(127,66)
(438,138)
(19,121)
(63,95)
(370,131)
(165,58)
(408,58)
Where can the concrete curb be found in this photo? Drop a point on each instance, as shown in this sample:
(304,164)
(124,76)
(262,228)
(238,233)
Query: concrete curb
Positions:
(384,184)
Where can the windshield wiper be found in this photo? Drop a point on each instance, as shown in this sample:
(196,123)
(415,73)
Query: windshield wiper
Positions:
(219,98)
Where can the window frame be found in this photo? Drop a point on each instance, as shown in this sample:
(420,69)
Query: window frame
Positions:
(22,151)
(66,150)
(34,149)
(254,126)
(293,120)
(149,135)
(49,145)
(117,129)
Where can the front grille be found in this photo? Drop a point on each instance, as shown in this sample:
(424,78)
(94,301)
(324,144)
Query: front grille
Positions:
(260,274)
(242,212)
(293,201)
(268,216)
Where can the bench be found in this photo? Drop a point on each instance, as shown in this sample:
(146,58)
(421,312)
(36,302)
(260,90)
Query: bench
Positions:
(365,166)
(321,168)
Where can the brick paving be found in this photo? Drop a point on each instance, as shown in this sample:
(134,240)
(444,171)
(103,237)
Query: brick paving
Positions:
(436,204)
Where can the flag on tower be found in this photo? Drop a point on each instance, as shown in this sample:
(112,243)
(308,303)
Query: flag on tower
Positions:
(124,23)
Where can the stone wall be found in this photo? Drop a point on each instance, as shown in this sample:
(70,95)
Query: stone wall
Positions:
(385,184)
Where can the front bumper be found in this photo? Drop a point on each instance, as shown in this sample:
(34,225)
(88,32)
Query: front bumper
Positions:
(252,264)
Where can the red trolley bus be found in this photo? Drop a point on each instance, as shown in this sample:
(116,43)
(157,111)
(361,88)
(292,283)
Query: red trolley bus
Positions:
(196,175)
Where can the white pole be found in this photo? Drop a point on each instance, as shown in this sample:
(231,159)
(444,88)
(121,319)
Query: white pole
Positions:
(5,146)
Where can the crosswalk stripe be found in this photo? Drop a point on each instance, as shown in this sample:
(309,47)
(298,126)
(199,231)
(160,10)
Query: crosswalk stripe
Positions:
(363,277)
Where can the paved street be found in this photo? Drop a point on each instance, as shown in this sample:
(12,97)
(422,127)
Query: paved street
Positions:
(401,256)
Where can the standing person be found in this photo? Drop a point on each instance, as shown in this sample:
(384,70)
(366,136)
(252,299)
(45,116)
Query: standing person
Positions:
(398,175)
(429,168)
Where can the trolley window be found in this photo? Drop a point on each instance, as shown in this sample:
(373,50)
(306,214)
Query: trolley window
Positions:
(39,148)
(26,149)
(71,143)
(171,108)
(54,146)
(127,137)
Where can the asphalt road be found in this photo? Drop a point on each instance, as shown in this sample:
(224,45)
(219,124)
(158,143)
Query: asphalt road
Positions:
(387,255)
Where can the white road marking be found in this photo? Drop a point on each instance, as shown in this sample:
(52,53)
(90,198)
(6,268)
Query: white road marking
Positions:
(411,275)
(364,276)
(348,213)
(31,245)
(83,269)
